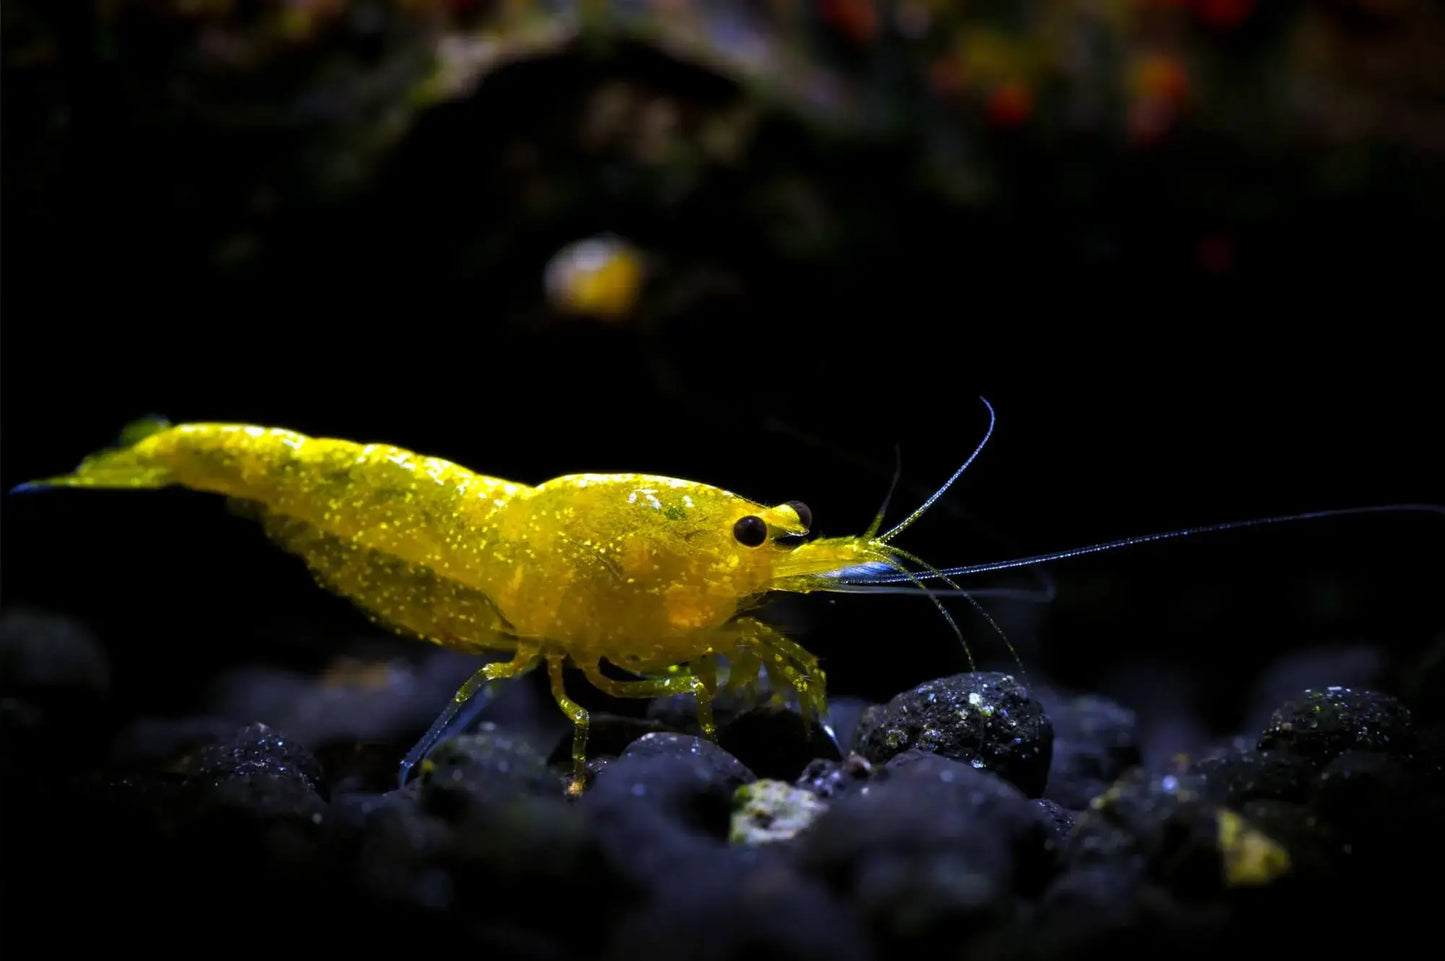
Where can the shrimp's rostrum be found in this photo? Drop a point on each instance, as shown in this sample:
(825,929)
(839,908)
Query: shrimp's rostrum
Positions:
(649,573)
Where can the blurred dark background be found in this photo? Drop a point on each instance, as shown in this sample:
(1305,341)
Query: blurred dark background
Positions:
(1189,250)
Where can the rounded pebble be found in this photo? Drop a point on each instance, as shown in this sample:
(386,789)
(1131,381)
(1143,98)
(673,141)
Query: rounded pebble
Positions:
(1322,724)
(984,718)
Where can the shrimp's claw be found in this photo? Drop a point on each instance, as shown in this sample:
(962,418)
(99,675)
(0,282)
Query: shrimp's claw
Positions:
(788,665)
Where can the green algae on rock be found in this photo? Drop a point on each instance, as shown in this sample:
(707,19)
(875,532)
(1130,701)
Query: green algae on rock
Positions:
(767,811)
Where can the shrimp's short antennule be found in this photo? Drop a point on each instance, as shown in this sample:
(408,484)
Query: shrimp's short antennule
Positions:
(907,522)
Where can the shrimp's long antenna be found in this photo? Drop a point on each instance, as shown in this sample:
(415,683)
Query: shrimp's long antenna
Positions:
(968,596)
(863,578)
(892,584)
(908,521)
(910,575)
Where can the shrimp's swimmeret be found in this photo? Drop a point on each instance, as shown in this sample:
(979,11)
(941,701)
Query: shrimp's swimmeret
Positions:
(654,575)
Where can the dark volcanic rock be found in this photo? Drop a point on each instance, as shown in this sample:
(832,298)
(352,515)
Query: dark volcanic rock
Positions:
(1321,725)
(736,910)
(1060,820)
(774,742)
(662,813)
(1336,808)
(54,677)
(1314,846)
(1102,912)
(489,875)
(257,751)
(402,850)
(1095,741)
(834,778)
(689,777)
(168,744)
(1354,666)
(48,653)
(984,718)
(932,848)
(255,799)
(1236,777)
(663,809)
(1367,798)
(1168,827)
(481,769)
(769,736)
(375,697)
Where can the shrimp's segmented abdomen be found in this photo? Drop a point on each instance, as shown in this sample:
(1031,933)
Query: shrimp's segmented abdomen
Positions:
(643,571)
(412,540)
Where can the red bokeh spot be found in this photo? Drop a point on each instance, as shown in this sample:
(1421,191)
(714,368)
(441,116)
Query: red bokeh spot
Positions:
(945,77)
(1223,13)
(1162,76)
(1010,105)
(1215,253)
(1149,120)
(855,19)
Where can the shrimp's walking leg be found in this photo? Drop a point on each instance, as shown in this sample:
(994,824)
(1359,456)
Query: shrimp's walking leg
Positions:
(578,715)
(789,660)
(700,684)
(466,704)
(743,668)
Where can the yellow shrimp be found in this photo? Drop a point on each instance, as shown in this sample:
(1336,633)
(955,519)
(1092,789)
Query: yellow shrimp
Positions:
(648,573)
(653,575)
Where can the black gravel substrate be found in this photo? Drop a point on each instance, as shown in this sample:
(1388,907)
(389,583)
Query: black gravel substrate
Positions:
(968,818)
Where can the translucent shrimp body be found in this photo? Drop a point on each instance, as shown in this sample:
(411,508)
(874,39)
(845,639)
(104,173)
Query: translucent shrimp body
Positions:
(652,575)
(648,573)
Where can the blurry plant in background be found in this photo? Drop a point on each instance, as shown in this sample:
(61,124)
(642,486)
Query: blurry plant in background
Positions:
(319,93)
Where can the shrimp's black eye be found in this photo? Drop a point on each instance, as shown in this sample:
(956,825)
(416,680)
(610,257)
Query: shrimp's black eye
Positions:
(751,531)
(805,516)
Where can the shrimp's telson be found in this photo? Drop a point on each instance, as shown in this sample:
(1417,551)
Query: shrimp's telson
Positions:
(652,574)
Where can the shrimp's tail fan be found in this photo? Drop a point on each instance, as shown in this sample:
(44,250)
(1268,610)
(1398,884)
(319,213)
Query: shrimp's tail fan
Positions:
(133,463)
